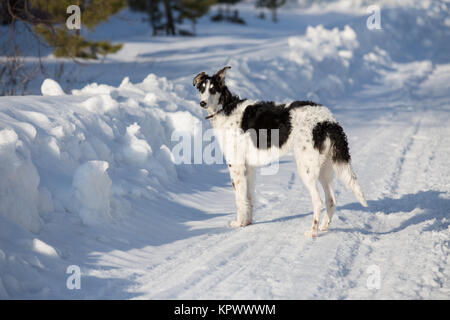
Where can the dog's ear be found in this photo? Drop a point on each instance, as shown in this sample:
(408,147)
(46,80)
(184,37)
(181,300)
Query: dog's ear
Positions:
(221,75)
(198,78)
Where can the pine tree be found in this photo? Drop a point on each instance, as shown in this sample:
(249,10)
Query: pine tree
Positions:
(164,14)
(153,10)
(192,10)
(228,4)
(232,16)
(272,5)
(69,43)
(160,14)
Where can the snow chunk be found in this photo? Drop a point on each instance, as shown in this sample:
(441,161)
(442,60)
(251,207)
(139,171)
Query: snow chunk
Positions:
(100,103)
(136,151)
(19,180)
(92,192)
(3,293)
(184,121)
(165,157)
(52,147)
(28,129)
(51,88)
(125,83)
(151,98)
(37,118)
(45,203)
(320,43)
(42,247)
(57,131)
(94,88)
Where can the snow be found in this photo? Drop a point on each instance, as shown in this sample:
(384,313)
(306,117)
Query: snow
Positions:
(19,181)
(92,192)
(42,247)
(136,151)
(90,173)
(51,88)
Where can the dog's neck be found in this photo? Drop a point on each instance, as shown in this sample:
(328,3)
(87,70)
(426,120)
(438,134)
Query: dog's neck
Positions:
(228,103)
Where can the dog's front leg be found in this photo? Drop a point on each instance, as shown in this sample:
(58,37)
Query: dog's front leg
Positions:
(239,182)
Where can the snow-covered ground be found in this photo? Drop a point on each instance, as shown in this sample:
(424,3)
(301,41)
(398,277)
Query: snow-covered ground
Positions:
(89,179)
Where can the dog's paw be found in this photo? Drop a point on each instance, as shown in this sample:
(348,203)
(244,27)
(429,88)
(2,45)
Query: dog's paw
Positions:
(323,227)
(311,234)
(236,224)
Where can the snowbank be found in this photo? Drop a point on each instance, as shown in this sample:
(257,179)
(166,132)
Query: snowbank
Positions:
(79,153)
(19,181)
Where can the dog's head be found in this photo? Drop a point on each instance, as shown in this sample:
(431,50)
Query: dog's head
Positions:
(211,89)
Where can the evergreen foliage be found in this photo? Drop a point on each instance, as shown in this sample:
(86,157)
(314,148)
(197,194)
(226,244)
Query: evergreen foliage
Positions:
(164,14)
(69,43)
(47,19)
(272,5)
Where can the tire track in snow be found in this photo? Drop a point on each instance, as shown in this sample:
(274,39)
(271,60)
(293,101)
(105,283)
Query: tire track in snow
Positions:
(401,160)
(342,268)
(417,156)
(227,264)
(233,276)
(180,270)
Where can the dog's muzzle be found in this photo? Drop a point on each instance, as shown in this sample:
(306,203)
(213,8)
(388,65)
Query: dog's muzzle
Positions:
(202,104)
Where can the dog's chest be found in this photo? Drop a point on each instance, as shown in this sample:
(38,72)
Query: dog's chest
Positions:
(231,122)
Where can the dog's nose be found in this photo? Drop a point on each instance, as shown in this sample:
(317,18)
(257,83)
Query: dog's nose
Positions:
(202,104)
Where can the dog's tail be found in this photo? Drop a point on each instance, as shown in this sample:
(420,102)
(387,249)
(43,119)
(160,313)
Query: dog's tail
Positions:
(345,173)
(340,155)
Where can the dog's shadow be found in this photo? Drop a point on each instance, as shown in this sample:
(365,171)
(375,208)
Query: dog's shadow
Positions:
(434,207)
(284,219)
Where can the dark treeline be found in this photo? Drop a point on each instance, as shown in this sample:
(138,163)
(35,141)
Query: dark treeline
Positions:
(46,22)
(46,18)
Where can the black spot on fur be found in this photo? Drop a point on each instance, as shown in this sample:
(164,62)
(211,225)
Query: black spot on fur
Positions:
(268,116)
(198,79)
(229,102)
(339,144)
(201,85)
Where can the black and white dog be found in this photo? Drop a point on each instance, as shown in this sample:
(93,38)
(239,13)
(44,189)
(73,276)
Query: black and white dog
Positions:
(265,131)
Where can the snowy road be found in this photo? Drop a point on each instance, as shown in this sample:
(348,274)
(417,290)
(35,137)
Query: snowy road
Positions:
(403,233)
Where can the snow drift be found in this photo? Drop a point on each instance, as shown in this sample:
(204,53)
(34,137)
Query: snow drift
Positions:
(79,152)
(19,181)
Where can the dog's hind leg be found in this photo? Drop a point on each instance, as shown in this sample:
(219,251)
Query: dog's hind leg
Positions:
(309,173)
(238,175)
(326,178)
